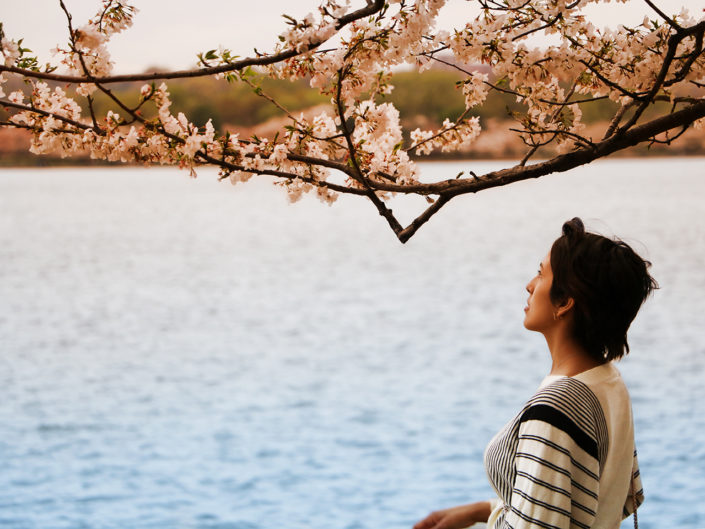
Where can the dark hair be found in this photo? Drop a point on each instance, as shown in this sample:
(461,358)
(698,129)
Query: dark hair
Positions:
(608,282)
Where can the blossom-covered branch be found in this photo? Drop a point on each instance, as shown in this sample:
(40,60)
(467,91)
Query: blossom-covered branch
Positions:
(653,68)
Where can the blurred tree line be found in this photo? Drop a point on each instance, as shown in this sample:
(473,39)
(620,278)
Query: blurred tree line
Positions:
(427,98)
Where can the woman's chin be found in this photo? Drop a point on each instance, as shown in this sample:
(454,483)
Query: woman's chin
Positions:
(528,325)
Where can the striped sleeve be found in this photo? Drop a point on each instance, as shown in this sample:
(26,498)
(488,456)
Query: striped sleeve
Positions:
(557,474)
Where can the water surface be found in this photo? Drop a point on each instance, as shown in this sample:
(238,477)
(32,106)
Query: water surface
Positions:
(182,353)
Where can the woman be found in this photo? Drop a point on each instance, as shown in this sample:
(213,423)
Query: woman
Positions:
(567,460)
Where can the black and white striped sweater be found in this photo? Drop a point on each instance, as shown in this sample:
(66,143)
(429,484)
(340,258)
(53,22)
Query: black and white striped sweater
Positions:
(567,460)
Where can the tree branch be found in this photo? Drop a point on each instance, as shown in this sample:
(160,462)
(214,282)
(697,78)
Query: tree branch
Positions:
(560,163)
(279,174)
(47,114)
(406,234)
(663,64)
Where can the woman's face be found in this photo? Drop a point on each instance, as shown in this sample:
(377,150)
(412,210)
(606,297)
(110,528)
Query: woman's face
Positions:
(539,310)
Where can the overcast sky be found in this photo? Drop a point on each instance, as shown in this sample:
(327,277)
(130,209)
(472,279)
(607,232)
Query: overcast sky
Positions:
(169,33)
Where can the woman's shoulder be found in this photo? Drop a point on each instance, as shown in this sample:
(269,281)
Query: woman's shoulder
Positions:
(564,392)
(580,392)
(569,405)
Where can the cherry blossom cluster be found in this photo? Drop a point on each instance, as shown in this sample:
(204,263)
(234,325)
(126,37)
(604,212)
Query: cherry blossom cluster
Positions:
(451,137)
(10,51)
(621,63)
(369,47)
(359,144)
(87,52)
(49,126)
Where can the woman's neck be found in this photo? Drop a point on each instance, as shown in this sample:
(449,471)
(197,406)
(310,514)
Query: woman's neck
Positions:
(568,358)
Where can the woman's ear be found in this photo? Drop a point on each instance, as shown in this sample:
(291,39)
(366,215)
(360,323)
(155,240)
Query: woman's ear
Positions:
(564,308)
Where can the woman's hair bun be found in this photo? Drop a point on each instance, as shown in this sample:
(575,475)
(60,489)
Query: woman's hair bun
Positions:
(574,229)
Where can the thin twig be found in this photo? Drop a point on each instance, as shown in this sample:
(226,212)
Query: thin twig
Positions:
(301,127)
(458,122)
(54,115)
(670,140)
(667,19)
(614,123)
(513,92)
(557,132)
(359,175)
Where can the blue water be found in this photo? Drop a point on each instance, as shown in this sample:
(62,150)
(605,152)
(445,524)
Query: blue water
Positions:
(182,353)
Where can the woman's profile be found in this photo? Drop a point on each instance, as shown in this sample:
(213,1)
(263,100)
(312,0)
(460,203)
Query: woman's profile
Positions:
(568,458)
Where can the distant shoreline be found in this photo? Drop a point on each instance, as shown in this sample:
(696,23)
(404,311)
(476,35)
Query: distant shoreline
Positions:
(39,162)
